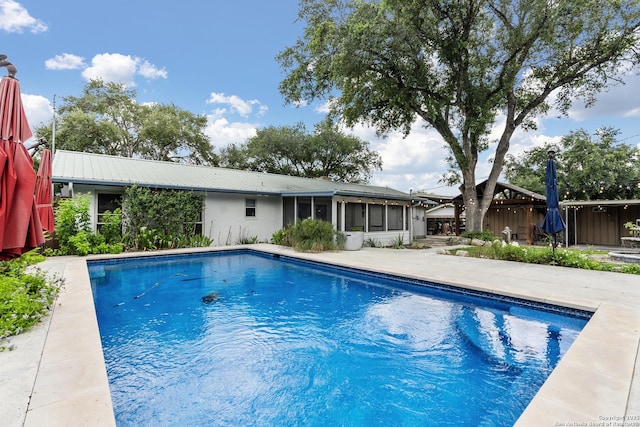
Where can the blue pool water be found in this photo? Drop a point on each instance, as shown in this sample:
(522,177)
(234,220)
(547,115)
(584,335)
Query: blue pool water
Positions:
(243,338)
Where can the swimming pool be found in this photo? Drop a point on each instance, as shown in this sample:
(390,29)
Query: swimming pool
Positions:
(285,342)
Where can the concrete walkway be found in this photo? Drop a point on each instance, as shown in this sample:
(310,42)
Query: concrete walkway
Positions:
(56,374)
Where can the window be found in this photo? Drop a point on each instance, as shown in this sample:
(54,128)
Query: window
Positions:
(376,218)
(249,207)
(197,226)
(107,202)
(354,216)
(289,211)
(322,208)
(394,217)
(304,208)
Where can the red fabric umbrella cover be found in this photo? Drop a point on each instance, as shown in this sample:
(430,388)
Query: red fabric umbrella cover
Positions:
(20,228)
(44,192)
(13,122)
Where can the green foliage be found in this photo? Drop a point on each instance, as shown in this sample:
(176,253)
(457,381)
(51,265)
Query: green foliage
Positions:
(588,167)
(154,239)
(282,237)
(107,119)
(79,243)
(545,255)
(485,235)
(634,229)
(397,242)
(73,229)
(292,151)
(143,239)
(372,242)
(156,219)
(72,224)
(312,235)
(244,239)
(24,297)
(112,226)
(199,241)
(459,66)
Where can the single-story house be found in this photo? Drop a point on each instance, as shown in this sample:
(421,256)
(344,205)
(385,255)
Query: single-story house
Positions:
(240,203)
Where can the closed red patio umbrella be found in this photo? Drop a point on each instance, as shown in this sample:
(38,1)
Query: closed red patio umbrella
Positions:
(44,192)
(20,228)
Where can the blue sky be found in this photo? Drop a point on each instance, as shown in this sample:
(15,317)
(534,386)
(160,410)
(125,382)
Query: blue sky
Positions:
(216,58)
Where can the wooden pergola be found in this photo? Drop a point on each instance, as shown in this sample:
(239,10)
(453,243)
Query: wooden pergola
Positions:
(508,197)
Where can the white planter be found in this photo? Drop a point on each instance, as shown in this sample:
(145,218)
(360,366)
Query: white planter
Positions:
(354,240)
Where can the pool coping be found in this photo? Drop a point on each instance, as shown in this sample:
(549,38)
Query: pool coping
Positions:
(596,381)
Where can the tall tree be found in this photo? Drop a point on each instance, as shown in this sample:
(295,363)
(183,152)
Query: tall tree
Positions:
(107,119)
(463,66)
(589,167)
(291,150)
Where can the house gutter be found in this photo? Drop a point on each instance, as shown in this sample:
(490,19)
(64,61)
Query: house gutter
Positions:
(123,184)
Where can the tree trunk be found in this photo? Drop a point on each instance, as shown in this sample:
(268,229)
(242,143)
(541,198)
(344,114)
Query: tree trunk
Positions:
(473,208)
(476,207)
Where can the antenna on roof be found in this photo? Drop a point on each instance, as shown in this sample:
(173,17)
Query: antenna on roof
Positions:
(11,69)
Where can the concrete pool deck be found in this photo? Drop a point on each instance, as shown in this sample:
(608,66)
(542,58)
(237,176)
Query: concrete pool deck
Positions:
(56,375)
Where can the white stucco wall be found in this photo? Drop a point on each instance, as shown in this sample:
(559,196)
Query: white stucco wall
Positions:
(387,238)
(225,222)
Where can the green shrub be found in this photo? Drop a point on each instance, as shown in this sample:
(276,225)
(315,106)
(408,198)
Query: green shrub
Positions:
(312,235)
(245,239)
(485,235)
(24,297)
(79,244)
(112,226)
(397,242)
(200,241)
(373,243)
(154,218)
(630,268)
(282,237)
(73,229)
(72,219)
(545,255)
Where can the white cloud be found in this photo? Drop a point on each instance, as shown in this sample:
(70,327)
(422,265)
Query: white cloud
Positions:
(66,61)
(222,133)
(112,67)
(634,112)
(418,161)
(618,101)
(115,67)
(324,108)
(150,71)
(237,104)
(37,108)
(415,162)
(262,110)
(14,18)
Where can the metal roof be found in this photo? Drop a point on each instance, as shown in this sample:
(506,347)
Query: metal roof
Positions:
(501,187)
(100,169)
